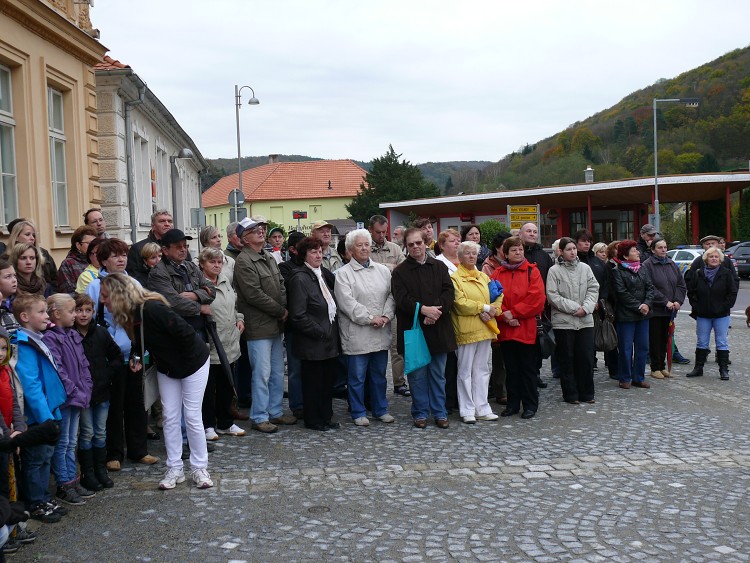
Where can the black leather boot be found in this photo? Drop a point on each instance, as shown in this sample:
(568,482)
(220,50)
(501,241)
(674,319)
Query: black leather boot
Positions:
(100,467)
(723,356)
(701,354)
(88,478)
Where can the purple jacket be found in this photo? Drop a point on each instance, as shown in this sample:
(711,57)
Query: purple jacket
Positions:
(66,346)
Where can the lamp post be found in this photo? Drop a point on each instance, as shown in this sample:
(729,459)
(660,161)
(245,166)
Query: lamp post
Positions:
(689,102)
(253,101)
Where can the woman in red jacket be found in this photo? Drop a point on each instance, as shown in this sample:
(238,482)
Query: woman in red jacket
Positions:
(524,297)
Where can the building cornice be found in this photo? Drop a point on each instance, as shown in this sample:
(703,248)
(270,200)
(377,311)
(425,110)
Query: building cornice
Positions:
(42,20)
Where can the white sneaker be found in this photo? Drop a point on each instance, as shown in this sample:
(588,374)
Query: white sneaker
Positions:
(202,479)
(173,476)
(211,435)
(387,418)
(468,420)
(490,416)
(233,430)
(362,421)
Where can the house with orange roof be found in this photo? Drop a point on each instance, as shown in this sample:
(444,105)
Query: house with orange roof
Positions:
(147,160)
(320,188)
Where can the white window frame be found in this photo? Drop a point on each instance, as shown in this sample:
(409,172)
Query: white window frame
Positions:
(58,164)
(8,174)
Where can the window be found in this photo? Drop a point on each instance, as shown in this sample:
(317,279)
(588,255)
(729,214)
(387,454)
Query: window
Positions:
(626,225)
(578,221)
(58,168)
(8,182)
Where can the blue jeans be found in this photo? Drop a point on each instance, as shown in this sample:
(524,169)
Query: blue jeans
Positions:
(428,389)
(35,467)
(632,335)
(64,458)
(267,363)
(93,426)
(294,371)
(720,327)
(371,368)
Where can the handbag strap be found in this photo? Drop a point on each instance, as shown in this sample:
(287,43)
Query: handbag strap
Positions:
(415,323)
(143,342)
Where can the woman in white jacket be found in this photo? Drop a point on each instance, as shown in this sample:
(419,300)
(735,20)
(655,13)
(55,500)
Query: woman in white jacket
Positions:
(572,292)
(366,310)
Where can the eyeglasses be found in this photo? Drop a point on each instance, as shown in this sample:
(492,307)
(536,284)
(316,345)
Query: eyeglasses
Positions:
(415,243)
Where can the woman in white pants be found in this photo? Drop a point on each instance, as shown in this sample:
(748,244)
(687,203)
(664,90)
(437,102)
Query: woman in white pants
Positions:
(182,361)
(473,314)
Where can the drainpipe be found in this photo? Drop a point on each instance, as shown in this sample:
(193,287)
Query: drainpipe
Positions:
(129,161)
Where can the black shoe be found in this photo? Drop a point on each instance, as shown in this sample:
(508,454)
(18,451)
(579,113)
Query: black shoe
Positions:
(68,495)
(333,425)
(318,427)
(44,513)
(402,390)
(340,393)
(25,536)
(57,508)
(83,492)
(528,414)
(509,412)
(539,383)
(11,546)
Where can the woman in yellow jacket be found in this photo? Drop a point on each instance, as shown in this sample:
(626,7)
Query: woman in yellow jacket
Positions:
(473,317)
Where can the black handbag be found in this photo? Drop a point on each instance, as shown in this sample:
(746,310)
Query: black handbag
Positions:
(545,337)
(605,335)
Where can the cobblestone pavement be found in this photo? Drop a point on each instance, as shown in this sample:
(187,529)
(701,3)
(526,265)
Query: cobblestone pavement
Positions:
(642,475)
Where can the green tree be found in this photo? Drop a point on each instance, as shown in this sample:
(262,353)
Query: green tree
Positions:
(212,175)
(490,228)
(389,179)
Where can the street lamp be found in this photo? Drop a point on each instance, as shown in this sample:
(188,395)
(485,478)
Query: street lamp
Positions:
(689,102)
(253,101)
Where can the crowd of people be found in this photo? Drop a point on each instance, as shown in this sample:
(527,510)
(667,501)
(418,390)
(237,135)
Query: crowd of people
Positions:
(120,340)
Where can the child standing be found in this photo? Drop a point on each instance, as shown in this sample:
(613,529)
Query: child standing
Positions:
(43,395)
(8,286)
(66,346)
(105,365)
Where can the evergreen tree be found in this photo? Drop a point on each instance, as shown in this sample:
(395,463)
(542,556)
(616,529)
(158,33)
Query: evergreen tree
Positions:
(389,179)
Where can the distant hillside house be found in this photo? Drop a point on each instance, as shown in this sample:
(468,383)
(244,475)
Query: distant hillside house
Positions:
(322,188)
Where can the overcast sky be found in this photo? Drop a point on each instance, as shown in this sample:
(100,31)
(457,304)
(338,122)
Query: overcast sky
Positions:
(438,80)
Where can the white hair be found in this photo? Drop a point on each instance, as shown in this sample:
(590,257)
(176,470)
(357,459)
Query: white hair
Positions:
(352,236)
(465,245)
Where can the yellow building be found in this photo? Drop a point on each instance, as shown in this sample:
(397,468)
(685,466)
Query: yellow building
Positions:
(321,188)
(49,170)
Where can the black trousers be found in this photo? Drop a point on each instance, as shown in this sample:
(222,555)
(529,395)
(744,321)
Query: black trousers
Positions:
(451,382)
(498,375)
(575,354)
(317,390)
(217,399)
(127,418)
(658,334)
(520,367)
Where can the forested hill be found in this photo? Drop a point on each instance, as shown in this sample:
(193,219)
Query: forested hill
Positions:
(618,142)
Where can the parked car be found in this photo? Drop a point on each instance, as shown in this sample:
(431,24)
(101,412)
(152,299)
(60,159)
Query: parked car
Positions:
(740,255)
(683,257)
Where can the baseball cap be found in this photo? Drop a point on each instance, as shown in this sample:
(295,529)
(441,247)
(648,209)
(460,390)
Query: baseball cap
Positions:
(320,223)
(250,223)
(648,229)
(172,236)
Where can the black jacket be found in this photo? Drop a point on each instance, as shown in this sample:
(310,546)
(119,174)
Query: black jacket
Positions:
(136,267)
(644,249)
(537,255)
(631,290)
(315,337)
(431,285)
(175,347)
(600,271)
(105,361)
(669,285)
(288,267)
(711,301)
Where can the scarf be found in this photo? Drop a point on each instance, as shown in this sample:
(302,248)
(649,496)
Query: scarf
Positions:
(473,273)
(633,266)
(508,266)
(661,260)
(710,274)
(326,292)
(34,285)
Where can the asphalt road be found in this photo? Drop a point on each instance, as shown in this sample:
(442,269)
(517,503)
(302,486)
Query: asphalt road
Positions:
(657,474)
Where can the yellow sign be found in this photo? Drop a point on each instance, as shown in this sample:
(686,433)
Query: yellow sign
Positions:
(517,224)
(525,217)
(522,209)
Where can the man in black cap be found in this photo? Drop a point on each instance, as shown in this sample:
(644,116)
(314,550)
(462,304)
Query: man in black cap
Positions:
(648,234)
(181,282)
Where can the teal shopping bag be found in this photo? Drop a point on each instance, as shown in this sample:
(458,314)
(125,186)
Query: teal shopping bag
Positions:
(416,353)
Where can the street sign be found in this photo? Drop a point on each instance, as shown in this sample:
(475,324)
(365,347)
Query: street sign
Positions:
(237,214)
(360,224)
(236,197)
(519,215)
(299,214)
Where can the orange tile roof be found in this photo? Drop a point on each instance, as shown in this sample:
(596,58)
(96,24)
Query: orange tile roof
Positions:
(108,63)
(290,180)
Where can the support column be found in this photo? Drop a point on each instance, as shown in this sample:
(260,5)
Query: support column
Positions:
(694,222)
(729,217)
(589,222)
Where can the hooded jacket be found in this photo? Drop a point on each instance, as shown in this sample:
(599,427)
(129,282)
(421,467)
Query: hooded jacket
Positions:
(66,345)
(472,293)
(570,286)
(44,393)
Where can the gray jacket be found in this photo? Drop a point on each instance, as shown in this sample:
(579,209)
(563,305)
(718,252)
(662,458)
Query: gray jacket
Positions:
(261,295)
(165,278)
(571,285)
(226,316)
